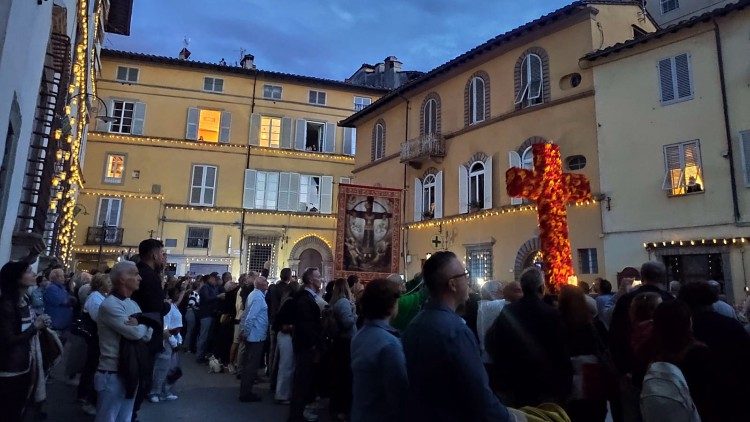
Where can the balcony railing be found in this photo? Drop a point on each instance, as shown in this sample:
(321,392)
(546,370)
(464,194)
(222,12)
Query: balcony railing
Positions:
(429,145)
(104,236)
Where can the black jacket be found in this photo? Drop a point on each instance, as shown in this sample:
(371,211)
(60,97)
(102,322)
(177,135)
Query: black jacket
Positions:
(307,325)
(15,345)
(134,366)
(150,298)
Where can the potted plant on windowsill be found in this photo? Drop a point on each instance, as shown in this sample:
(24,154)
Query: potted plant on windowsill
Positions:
(475,206)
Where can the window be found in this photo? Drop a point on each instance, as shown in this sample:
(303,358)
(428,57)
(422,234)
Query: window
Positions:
(361,102)
(379,141)
(575,162)
(109,212)
(272,92)
(669,5)
(428,196)
(476,100)
(259,254)
(203,186)
(198,237)
(684,173)
(213,84)
(745,146)
(270,131)
(527,159)
(532,83)
(266,190)
(350,141)
(587,261)
(317,97)
(524,161)
(170,243)
(309,193)
(208,125)
(674,79)
(127,74)
(115,168)
(476,186)
(122,111)
(429,124)
(314,135)
(479,263)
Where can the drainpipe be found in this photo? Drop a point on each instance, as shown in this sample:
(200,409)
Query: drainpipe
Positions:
(727,128)
(247,166)
(404,238)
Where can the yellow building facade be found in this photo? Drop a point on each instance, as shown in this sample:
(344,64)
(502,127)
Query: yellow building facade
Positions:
(675,134)
(233,168)
(449,138)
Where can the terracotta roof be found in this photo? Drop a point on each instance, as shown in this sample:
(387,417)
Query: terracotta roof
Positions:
(480,49)
(722,11)
(275,76)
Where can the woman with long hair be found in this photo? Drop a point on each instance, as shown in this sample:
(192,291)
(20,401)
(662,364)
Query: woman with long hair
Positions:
(345,315)
(19,325)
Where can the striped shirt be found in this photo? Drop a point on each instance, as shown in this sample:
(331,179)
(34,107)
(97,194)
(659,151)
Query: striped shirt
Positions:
(194,300)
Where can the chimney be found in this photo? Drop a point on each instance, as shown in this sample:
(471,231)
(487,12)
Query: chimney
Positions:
(391,62)
(248,62)
(390,75)
(184,53)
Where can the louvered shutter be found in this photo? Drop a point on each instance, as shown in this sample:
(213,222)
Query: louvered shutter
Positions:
(299,135)
(254,135)
(439,195)
(191,131)
(196,185)
(209,186)
(682,75)
(225,126)
(691,159)
(286,132)
(666,82)
(248,195)
(348,141)
(272,191)
(488,186)
(294,180)
(418,192)
(329,142)
(139,115)
(673,167)
(535,82)
(514,160)
(463,189)
(745,144)
(326,195)
(284,180)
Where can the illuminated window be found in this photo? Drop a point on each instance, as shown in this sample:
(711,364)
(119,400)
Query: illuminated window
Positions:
(317,97)
(361,102)
(122,111)
(209,124)
(272,92)
(479,263)
(213,84)
(587,261)
(115,168)
(683,169)
(127,74)
(270,131)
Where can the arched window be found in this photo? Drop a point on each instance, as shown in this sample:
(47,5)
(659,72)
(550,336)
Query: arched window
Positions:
(531,77)
(429,124)
(476,186)
(379,141)
(476,100)
(428,195)
(527,159)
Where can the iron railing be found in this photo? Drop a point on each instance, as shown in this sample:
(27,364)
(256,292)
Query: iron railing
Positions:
(429,145)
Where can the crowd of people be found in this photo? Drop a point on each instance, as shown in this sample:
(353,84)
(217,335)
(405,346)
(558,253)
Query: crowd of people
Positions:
(438,348)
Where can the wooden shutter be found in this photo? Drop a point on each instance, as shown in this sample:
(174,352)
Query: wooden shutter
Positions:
(745,145)
(326,194)
(666,82)
(439,195)
(284,180)
(225,126)
(209,186)
(329,142)
(196,185)
(248,195)
(524,86)
(191,132)
(254,135)
(682,76)
(673,167)
(286,133)
(463,189)
(299,134)
(418,192)
(535,82)
(294,192)
(488,183)
(139,115)
(272,191)
(514,160)
(348,141)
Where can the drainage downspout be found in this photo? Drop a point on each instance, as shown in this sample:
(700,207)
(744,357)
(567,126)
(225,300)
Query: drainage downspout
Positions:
(727,128)
(247,166)
(405,237)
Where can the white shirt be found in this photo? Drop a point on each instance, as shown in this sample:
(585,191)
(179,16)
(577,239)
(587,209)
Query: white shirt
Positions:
(487,313)
(172,320)
(93,302)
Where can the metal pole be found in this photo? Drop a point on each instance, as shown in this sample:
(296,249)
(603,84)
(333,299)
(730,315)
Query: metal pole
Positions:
(102,234)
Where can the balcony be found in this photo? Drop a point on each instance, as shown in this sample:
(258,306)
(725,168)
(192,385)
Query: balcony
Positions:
(107,236)
(428,146)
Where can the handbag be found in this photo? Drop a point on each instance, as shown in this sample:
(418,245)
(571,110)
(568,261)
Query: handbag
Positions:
(84,326)
(51,348)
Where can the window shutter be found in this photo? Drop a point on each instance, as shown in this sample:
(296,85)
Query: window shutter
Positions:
(294,192)
(535,82)
(209,186)
(196,185)
(745,144)
(524,81)
(463,189)
(326,195)
(329,143)
(348,141)
(682,74)
(139,115)
(299,135)
(225,125)
(272,191)
(488,186)
(514,160)
(439,195)
(286,133)
(673,165)
(191,132)
(284,179)
(103,207)
(113,215)
(313,192)
(418,192)
(254,136)
(104,126)
(248,196)
(666,83)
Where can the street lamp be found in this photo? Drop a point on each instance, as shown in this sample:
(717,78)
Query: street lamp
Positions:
(106,118)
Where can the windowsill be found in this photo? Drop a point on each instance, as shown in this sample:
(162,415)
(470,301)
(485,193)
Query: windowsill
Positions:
(201,205)
(113,182)
(126,82)
(680,100)
(679,195)
(213,92)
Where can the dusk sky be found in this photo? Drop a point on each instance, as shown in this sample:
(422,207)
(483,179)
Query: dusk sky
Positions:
(324,38)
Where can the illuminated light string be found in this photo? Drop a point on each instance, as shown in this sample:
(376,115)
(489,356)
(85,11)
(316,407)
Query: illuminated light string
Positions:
(697,242)
(305,236)
(250,212)
(118,194)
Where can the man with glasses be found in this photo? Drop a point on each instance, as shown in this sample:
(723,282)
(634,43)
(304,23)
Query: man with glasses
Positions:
(447,380)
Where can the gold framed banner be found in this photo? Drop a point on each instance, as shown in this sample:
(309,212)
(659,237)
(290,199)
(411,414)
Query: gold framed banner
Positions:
(368,232)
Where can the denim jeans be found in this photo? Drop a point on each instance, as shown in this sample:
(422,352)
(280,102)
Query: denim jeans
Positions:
(206,325)
(111,405)
(161,368)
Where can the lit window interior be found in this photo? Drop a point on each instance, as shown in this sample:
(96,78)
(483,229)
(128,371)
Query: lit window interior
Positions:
(208,125)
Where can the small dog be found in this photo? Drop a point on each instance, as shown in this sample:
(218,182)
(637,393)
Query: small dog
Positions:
(214,365)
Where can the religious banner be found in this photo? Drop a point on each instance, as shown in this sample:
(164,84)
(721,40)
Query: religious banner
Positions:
(368,232)
(552,190)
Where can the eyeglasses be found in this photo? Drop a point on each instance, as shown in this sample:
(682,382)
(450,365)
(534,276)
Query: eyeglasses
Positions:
(464,274)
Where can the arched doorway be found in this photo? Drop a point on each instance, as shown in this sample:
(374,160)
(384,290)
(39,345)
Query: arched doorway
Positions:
(310,258)
(529,254)
(315,251)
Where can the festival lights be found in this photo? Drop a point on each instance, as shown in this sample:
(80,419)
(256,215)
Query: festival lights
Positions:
(120,194)
(737,241)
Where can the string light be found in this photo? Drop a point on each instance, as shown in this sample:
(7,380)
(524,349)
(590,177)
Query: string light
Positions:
(303,154)
(725,241)
(100,136)
(118,194)
(323,239)
(232,210)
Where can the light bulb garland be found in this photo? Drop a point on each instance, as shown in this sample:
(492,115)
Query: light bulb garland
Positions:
(233,210)
(736,241)
(121,194)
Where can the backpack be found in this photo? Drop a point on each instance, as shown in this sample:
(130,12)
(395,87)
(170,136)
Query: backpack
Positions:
(330,325)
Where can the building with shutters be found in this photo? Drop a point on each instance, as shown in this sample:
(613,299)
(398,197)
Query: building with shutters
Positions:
(232,167)
(452,134)
(674,133)
(670,12)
